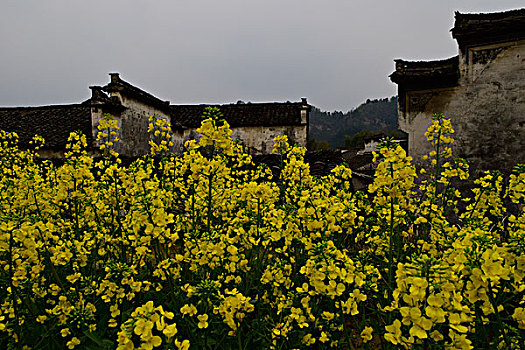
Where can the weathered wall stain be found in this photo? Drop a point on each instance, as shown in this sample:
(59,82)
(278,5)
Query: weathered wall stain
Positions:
(482,90)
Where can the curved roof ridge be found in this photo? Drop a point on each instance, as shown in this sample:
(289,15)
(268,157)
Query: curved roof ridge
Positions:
(429,63)
(490,15)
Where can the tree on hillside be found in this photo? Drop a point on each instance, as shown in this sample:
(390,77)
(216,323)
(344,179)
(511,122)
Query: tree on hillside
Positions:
(378,115)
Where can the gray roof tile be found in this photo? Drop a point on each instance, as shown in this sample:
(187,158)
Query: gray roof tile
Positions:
(248,114)
(54,123)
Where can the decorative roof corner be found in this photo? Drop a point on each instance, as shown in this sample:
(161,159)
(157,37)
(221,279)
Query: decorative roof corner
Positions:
(476,29)
(99,98)
(429,74)
(116,84)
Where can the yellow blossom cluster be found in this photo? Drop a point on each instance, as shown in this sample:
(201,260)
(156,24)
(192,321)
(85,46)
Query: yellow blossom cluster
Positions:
(159,129)
(107,134)
(143,321)
(206,250)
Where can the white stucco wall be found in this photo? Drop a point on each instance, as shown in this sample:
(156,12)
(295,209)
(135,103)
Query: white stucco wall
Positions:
(133,123)
(259,139)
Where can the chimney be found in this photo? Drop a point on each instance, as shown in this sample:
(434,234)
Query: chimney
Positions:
(96,93)
(114,77)
(303,100)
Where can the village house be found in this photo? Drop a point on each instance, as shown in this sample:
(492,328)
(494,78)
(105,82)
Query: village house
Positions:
(253,124)
(482,90)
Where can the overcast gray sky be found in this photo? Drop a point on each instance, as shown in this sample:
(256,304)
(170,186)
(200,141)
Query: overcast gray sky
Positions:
(337,53)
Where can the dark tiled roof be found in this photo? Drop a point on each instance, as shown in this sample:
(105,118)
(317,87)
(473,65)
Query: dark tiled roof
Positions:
(54,123)
(428,73)
(249,114)
(486,28)
(357,161)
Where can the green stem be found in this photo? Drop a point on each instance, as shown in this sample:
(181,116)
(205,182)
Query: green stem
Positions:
(345,328)
(12,286)
(436,175)
(210,181)
(498,318)
(239,343)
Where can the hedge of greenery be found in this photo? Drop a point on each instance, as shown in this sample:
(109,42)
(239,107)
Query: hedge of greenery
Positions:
(205,250)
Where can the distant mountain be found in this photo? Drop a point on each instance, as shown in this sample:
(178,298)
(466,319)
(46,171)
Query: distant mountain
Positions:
(372,116)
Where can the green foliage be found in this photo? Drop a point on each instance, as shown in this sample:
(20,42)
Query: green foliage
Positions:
(314,145)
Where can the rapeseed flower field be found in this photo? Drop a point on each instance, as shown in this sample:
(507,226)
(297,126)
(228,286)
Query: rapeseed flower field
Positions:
(205,250)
